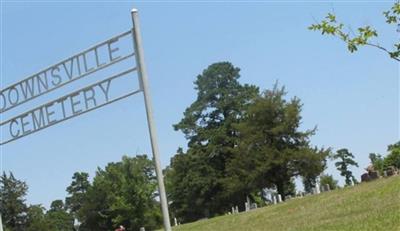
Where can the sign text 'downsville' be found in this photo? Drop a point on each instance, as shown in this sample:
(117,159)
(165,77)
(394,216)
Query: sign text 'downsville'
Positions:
(68,106)
(80,65)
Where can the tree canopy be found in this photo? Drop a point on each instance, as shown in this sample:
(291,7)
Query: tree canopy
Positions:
(77,192)
(208,124)
(239,142)
(327,179)
(12,202)
(393,158)
(123,193)
(272,148)
(345,161)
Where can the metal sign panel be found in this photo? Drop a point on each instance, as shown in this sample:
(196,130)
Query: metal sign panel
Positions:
(64,72)
(89,98)
(66,107)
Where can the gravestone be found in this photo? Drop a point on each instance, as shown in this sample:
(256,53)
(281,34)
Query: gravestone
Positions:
(314,191)
(279,198)
(273,199)
(365,177)
(327,188)
(391,170)
(317,189)
(373,175)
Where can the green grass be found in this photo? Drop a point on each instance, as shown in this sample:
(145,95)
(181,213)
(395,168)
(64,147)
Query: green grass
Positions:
(369,206)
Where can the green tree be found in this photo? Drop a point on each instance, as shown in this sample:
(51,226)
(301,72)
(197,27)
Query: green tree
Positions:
(77,192)
(188,186)
(345,161)
(57,205)
(377,162)
(12,202)
(328,180)
(393,158)
(124,193)
(208,125)
(364,35)
(58,218)
(272,149)
(36,219)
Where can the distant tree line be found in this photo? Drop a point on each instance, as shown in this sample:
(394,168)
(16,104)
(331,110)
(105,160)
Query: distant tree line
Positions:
(124,193)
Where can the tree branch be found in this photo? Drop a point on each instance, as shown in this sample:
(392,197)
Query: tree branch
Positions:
(382,48)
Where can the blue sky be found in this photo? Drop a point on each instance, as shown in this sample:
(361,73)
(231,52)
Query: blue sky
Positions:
(352,98)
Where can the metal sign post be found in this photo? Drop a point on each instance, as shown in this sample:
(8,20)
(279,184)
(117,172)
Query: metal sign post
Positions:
(149,112)
(1,224)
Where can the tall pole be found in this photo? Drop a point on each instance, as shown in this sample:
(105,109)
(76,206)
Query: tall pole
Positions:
(1,224)
(137,41)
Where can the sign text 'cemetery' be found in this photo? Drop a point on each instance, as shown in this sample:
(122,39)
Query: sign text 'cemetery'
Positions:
(86,99)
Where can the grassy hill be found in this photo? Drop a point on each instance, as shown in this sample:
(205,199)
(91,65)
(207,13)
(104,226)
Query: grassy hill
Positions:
(369,206)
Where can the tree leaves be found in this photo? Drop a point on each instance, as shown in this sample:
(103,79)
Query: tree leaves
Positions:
(392,16)
(122,194)
(393,158)
(240,141)
(345,161)
(364,35)
(272,145)
(12,202)
(209,125)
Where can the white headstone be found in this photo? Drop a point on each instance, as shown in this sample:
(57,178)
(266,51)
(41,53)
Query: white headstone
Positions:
(317,189)
(237,209)
(279,198)
(327,187)
(248,203)
(77,224)
(175,221)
